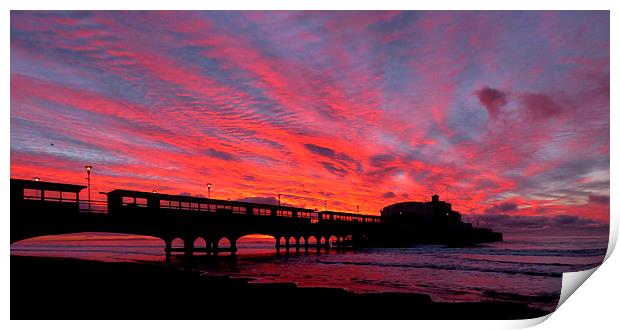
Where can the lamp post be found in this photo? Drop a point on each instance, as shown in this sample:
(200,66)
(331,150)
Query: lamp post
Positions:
(88,169)
(37,179)
(325,203)
(358,209)
(209,190)
(279,195)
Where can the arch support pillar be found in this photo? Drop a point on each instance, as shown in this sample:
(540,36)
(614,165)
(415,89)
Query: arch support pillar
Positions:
(233,246)
(208,246)
(278,245)
(318,245)
(188,245)
(306,245)
(327,244)
(215,250)
(168,251)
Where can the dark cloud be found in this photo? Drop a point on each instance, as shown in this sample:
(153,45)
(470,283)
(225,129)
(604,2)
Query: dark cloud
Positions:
(486,184)
(598,199)
(552,225)
(414,155)
(389,194)
(492,99)
(345,158)
(381,160)
(249,178)
(502,207)
(327,152)
(380,173)
(565,174)
(348,162)
(540,105)
(344,161)
(334,169)
(220,154)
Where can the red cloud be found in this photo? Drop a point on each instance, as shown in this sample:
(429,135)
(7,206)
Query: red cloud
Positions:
(358,109)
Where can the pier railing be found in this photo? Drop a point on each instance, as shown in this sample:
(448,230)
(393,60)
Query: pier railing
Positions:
(96,206)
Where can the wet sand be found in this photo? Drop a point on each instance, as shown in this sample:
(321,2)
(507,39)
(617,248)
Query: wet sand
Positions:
(56,288)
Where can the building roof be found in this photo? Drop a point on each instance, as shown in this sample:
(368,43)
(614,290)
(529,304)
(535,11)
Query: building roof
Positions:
(405,204)
(44,185)
(193,199)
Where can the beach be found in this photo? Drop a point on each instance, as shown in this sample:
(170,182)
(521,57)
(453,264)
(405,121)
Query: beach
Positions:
(62,288)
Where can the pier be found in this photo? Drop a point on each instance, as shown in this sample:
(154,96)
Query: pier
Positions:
(48,208)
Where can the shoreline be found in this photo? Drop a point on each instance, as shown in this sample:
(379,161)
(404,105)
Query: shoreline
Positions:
(63,288)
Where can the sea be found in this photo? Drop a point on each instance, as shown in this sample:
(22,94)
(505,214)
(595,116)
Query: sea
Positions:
(526,269)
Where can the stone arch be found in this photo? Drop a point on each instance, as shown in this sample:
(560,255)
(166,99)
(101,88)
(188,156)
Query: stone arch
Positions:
(255,243)
(177,242)
(85,239)
(223,243)
(200,243)
(69,233)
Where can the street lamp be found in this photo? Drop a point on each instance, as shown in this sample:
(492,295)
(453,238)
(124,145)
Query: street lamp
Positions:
(325,203)
(88,169)
(37,179)
(279,195)
(209,190)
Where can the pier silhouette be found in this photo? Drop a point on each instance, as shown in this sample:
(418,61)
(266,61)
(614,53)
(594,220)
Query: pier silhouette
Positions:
(41,208)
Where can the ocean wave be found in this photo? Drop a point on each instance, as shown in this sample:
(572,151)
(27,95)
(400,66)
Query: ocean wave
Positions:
(445,267)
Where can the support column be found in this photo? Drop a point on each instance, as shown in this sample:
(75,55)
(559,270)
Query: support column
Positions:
(208,246)
(327,245)
(233,247)
(297,246)
(189,248)
(168,251)
(277,245)
(288,246)
(318,245)
(306,245)
(215,248)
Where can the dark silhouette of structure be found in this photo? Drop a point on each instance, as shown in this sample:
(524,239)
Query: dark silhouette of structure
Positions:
(46,208)
(432,222)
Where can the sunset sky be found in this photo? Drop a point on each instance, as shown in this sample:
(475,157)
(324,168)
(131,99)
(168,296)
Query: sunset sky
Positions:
(499,112)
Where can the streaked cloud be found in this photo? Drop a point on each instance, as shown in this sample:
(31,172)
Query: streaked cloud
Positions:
(488,109)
